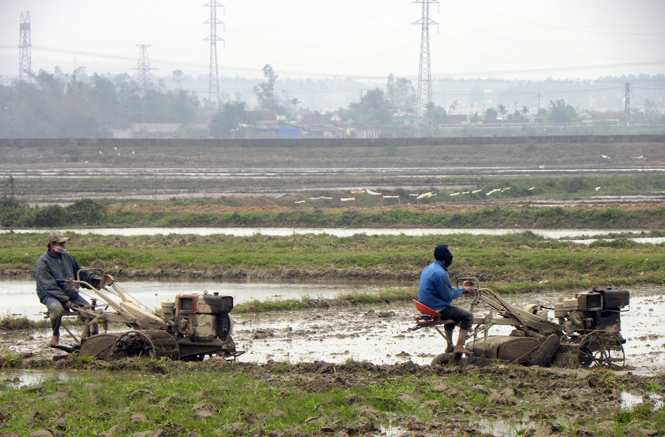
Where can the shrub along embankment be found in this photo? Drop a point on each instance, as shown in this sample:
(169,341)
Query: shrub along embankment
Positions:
(493,217)
(513,262)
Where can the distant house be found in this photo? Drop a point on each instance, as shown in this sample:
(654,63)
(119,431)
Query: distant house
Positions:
(405,119)
(327,125)
(288,130)
(263,115)
(457,119)
(596,117)
(326,131)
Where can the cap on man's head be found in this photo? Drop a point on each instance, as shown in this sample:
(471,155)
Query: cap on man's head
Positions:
(442,253)
(56,237)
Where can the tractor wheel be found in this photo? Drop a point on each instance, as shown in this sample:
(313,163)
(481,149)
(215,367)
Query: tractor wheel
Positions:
(601,348)
(442,359)
(149,343)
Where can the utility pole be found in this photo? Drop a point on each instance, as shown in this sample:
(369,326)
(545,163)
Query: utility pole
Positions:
(213,77)
(143,67)
(538,110)
(24,47)
(626,107)
(425,68)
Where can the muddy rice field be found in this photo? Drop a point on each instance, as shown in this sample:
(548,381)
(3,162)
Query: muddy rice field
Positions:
(383,334)
(373,344)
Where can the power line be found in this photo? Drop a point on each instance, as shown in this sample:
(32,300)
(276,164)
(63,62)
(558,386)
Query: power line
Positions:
(561,28)
(349,76)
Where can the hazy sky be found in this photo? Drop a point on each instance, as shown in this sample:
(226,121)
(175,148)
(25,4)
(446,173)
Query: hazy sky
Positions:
(363,39)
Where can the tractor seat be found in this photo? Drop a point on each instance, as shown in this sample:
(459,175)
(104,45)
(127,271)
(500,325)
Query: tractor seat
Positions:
(424,309)
(433,317)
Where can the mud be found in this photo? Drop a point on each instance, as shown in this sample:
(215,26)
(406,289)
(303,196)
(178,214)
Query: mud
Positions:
(573,398)
(371,344)
(380,333)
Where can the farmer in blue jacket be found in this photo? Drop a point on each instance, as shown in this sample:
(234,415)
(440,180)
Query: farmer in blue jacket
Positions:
(436,291)
(52,272)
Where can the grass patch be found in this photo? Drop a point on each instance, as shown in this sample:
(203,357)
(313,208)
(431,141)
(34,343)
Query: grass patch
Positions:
(18,323)
(216,398)
(520,262)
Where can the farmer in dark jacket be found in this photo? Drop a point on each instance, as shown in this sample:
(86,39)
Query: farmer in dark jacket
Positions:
(436,291)
(52,272)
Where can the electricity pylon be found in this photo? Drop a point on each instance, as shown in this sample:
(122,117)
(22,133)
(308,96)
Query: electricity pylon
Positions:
(143,67)
(425,70)
(24,46)
(213,78)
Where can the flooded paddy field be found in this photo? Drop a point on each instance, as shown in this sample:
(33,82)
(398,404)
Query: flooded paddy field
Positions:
(380,334)
(147,184)
(355,348)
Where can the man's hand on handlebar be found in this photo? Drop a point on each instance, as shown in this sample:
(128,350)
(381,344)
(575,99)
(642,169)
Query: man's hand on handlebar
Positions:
(106,280)
(468,287)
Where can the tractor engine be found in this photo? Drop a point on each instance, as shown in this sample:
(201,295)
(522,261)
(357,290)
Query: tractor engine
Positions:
(592,310)
(199,317)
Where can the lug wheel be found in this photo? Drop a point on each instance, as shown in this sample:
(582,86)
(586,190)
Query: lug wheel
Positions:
(601,348)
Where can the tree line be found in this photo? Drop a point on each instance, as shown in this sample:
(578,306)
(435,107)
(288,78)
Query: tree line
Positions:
(76,105)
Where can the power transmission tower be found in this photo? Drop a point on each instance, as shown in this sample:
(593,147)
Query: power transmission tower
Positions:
(143,67)
(213,81)
(24,45)
(626,107)
(425,70)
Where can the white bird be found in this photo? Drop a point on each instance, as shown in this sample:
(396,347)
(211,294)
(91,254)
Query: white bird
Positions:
(531,188)
(597,188)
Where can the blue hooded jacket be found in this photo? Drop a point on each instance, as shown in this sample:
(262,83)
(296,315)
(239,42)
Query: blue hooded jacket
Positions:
(435,289)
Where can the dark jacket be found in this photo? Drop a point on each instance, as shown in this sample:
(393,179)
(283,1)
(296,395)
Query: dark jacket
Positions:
(435,289)
(51,272)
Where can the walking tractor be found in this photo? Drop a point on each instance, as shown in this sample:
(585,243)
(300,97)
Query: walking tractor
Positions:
(190,328)
(585,331)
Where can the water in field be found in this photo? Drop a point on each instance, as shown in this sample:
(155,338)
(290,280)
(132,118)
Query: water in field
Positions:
(585,236)
(378,333)
(19,296)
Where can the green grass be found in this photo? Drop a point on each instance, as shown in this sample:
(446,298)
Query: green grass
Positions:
(215,398)
(509,263)
(18,323)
